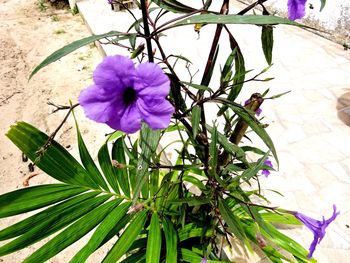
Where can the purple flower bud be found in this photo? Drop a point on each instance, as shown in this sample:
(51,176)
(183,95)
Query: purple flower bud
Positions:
(265,171)
(204,260)
(257,112)
(317,227)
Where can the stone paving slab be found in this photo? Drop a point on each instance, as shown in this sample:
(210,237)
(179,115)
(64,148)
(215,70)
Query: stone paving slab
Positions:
(310,126)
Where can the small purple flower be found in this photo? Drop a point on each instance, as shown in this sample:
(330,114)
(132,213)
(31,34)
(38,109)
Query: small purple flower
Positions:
(123,95)
(265,171)
(204,260)
(317,227)
(296,9)
(257,112)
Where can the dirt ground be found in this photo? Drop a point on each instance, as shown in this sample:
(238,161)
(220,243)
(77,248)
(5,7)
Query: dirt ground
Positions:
(30,30)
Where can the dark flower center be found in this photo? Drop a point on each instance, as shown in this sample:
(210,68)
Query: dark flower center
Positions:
(129,95)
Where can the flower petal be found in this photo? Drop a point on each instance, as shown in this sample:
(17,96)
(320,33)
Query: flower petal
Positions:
(151,81)
(96,107)
(130,122)
(156,112)
(115,72)
(296,9)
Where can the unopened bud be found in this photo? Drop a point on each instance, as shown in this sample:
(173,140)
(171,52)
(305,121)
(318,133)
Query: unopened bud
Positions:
(135,208)
(261,240)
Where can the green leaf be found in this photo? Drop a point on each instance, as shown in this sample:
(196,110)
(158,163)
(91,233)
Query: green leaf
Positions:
(28,223)
(54,222)
(195,119)
(267,42)
(148,142)
(139,256)
(87,161)
(115,135)
(191,201)
(107,167)
(101,232)
(31,198)
(170,240)
(197,86)
(195,181)
(280,218)
(154,241)
(228,146)
(72,233)
(253,149)
(285,242)
(121,173)
(213,150)
(323,3)
(190,256)
(226,71)
(125,241)
(72,47)
(236,19)
(253,124)
(240,72)
(56,161)
(253,170)
(191,230)
(231,220)
(173,6)
(154,182)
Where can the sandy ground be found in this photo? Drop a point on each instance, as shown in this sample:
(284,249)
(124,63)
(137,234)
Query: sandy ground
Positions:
(30,30)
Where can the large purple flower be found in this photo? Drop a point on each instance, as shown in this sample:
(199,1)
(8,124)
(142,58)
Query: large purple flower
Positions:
(296,9)
(317,227)
(123,95)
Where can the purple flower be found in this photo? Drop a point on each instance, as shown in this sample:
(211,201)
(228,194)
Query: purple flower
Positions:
(257,112)
(123,95)
(204,260)
(296,9)
(317,227)
(265,171)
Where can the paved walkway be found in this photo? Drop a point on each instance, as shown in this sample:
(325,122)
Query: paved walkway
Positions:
(310,126)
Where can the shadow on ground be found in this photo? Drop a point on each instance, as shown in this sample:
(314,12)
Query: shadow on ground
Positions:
(343,108)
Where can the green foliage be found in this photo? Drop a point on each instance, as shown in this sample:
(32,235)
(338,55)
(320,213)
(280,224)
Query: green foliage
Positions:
(161,211)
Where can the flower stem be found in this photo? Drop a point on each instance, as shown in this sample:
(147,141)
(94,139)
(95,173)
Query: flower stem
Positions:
(146,28)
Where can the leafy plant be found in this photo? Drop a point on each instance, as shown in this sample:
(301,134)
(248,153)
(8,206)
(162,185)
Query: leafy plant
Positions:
(186,211)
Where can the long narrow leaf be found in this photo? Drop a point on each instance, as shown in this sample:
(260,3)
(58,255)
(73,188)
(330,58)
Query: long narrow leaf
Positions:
(53,223)
(28,223)
(154,241)
(126,239)
(121,172)
(171,241)
(101,232)
(107,167)
(73,46)
(148,144)
(71,234)
(236,19)
(54,160)
(29,199)
(231,220)
(87,161)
